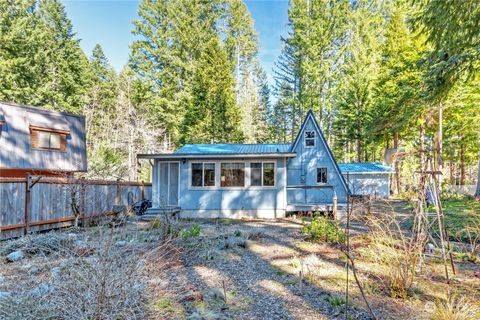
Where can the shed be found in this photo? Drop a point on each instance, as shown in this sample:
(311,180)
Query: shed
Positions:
(367,178)
(40,141)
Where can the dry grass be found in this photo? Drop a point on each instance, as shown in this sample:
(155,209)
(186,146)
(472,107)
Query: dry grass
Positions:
(94,274)
(454,307)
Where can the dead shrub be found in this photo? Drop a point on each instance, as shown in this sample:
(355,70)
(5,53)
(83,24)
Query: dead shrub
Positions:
(397,251)
(107,284)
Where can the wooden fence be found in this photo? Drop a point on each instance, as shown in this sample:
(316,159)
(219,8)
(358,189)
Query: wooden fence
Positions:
(38,203)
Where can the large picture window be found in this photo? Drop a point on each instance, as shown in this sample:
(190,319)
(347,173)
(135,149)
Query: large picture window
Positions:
(262,174)
(203,174)
(322,176)
(232,174)
(309,139)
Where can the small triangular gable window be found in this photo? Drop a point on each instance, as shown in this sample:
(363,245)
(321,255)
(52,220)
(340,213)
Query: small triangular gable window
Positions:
(309,137)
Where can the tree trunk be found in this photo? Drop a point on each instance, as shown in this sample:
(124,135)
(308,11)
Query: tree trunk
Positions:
(452,176)
(477,193)
(440,143)
(462,164)
(422,147)
(397,164)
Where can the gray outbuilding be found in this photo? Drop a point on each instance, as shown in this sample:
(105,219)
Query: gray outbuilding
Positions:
(367,178)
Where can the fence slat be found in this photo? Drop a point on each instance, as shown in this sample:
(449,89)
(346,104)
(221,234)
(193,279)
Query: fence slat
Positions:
(48,203)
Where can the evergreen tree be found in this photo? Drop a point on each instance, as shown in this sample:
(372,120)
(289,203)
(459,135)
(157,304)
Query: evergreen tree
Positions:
(213,115)
(359,74)
(41,62)
(172,35)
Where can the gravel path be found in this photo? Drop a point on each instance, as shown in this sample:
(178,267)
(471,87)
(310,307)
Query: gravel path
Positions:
(246,260)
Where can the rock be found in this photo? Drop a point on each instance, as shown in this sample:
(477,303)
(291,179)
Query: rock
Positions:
(72,236)
(80,243)
(121,243)
(4,295)
(430,248)
(56,273)
(41,290)
(138,286)
(34,270)
(15,256)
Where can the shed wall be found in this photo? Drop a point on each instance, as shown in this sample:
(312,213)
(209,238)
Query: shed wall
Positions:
(369,184)
(17,152)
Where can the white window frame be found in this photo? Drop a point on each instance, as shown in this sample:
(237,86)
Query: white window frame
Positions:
(262,185)
(326,173)
(305,138)
(203,186)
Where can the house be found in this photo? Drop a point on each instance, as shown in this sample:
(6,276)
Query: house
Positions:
(367,178)
(40,142)
(255,180)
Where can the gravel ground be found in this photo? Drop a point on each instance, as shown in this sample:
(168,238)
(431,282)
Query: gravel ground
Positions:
(252,263)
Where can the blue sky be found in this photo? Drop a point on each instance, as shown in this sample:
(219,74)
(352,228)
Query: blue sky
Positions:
(109,23)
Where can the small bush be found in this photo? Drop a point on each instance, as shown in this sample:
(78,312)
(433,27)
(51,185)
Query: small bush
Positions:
(191,232)
(335,301)
(322,228)
(237,233)
(155,224)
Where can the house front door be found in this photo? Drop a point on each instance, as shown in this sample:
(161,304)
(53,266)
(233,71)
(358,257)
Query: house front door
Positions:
(169,176)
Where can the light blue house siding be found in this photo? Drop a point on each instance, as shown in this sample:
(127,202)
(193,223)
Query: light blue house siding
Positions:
(235,202)
(307,177)
(304,192)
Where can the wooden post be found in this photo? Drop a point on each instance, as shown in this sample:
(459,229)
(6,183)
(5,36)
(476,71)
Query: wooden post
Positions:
(27,205)
(117,192)
(82,196)
(334,211)
(143,190)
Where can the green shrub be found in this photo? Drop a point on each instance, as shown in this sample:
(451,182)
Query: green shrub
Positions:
(335,301)
(322,228)
(191,232)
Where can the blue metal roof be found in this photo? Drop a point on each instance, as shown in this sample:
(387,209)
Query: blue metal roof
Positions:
(234,148)
(365,167)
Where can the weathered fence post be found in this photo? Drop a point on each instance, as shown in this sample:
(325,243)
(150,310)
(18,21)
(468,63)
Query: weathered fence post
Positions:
(27,205)
(117,192)
(142,187)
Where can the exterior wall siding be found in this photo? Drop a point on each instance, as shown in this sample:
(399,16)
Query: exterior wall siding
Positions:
(16,141)
(302,171)
(233,202)
(369,184)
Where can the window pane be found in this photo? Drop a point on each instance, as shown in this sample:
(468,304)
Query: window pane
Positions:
(233,175)
(310,138)
(43,139)
(269,174)
(255,174)
(196,174)
(322,175)
(54,141)
(209,174)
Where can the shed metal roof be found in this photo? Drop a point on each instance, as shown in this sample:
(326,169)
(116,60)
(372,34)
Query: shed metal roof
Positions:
(228,149)
(365,167)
